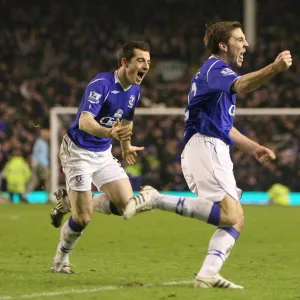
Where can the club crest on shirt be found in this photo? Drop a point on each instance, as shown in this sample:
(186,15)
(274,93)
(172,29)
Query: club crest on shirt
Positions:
(79,179)
(94,97)
(131,101)
(118,114)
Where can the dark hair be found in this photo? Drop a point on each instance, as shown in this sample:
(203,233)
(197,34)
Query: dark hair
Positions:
(127,50)
(219,32)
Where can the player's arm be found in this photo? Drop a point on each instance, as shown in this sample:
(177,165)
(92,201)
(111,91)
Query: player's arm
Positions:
(242,142)
(261,153)
(88,124)
(94,96)
(129,151)
(129,124)
(251,81)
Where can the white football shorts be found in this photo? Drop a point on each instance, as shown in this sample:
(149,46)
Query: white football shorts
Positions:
(83,167)
(208,169)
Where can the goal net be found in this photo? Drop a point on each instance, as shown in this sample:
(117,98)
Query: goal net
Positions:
(160,130)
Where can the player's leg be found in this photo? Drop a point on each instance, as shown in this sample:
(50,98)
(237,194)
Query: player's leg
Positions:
(117,193)
(199,208)
(78,170)
(219,179)
(115,185)
(219,248)
(82,208)
(101,204)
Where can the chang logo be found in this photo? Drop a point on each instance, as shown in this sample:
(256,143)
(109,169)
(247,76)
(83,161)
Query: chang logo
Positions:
(231,110)
(107,121)
(110,121)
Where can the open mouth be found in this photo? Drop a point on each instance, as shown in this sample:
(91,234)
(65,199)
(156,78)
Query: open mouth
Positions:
(140,75)
(241,56)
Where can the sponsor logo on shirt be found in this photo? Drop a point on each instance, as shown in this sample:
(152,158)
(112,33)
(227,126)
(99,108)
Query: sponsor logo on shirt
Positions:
(115,92)
(109,121)
(231,110)
(227,72)
(94,97)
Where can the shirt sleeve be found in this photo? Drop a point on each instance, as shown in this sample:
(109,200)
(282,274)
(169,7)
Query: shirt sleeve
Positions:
(220,78)
(93,98)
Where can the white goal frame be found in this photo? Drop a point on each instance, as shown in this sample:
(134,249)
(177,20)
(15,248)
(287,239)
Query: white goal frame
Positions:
(56,111)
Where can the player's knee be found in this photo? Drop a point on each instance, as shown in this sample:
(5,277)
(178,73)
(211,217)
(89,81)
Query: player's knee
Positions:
(230,211)
(228,219)
(241,223)
(82,219)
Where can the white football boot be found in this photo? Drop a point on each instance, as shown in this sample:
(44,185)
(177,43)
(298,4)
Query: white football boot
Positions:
(62,207)
(141,202)
(62,267)
(215,282)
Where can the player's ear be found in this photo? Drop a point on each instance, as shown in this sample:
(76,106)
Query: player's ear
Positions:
(223,46)
(124,62)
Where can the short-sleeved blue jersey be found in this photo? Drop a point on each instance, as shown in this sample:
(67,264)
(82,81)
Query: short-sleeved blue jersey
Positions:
(211,101)
(107,101)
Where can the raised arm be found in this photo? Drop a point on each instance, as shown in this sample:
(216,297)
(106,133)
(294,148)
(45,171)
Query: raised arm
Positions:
(251,81)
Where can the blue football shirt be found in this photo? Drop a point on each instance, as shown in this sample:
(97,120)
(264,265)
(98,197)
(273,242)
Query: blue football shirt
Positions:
(107,101)
(211,101)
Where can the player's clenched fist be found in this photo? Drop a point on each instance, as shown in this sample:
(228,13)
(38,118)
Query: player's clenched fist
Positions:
(120,133)
(283,61)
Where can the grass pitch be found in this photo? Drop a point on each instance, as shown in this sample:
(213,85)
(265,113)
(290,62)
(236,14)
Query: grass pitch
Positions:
(152,256)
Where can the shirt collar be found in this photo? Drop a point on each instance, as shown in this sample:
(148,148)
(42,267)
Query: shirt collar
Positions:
(117,80)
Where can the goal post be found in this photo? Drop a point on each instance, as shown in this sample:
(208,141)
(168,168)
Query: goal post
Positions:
(57,112)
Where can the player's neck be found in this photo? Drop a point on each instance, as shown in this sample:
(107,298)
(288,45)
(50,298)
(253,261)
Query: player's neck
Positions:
(221,57)
(122,79)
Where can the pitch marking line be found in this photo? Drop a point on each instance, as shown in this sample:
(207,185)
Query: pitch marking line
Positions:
(86,291)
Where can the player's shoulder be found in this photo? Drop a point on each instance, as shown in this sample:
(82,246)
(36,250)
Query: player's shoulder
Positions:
(213,62)
(105,79)
(135,88)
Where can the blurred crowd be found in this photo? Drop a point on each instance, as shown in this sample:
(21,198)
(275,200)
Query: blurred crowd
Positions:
(50,51)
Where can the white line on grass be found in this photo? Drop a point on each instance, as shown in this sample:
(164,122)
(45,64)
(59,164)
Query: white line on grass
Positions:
(86,291)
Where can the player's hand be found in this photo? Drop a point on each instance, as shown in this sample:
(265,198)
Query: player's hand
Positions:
(129,154)
(120,133)
(263,154)
(283,61)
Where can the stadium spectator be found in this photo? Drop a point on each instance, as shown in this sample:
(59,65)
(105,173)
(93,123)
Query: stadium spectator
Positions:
(38,70)
(40,163)
(17,174)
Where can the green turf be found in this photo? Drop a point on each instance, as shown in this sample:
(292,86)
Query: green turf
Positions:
(152,248)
